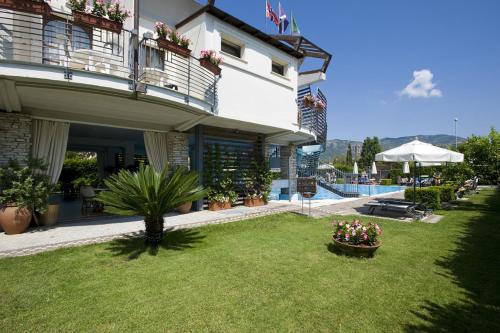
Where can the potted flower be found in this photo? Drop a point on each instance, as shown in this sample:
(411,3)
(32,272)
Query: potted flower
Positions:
(355,238)
(23,192)
(222,197)
(319,105)
(38,7)
(108,16)
(211,61)
(171,40)
(309,101)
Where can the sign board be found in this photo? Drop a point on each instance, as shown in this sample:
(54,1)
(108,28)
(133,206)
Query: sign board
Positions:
(306,185)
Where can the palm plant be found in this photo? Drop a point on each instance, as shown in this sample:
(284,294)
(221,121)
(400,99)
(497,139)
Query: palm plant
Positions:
(150,194)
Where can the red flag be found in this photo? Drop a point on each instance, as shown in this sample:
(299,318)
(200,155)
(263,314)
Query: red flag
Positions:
(271,15)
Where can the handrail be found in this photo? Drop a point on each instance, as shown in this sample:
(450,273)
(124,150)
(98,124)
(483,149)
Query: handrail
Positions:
(55,40)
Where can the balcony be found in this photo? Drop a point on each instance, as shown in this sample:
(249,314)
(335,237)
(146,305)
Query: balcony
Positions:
(311,118)
(55,41)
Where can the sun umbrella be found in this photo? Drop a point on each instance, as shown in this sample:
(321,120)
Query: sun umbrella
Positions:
(374,168)
(406,168)
(418,151)
(355,169)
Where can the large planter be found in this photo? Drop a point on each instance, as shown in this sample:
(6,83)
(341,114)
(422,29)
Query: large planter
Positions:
(211,67)
(185,208)
(27,6)
(14,220)
(50,216)
(97,21)
(253,202)
(356,250)
(216,205)
(164,43)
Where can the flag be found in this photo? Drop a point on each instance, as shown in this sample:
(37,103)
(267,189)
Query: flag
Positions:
(271,15)
(295,27)
(283,22)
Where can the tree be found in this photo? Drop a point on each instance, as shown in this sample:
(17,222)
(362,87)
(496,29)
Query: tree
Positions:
(348,157)
(482,156)
(150,194)
(370,148)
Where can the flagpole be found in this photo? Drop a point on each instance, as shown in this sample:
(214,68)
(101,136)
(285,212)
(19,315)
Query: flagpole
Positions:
(291,21)
(265,16)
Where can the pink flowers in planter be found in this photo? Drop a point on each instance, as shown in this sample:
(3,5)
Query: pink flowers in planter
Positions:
(356,233)
(116,12)
(311,101)
(161,29)
(212,57)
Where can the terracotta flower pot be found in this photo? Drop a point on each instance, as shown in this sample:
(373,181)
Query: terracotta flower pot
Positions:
(356,250)
(211,67)
(50,216)
(252,202)
(185,208)
(216,205)
(14,220)
(171,46)
(97,21)
(27,6)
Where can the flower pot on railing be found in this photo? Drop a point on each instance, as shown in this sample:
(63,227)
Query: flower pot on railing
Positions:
(97,21)
(166,44)
(27,6)
(211,67)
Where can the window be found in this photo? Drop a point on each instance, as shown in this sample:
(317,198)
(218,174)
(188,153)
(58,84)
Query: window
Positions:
(230,48)
(55,34)
(154,58)
(278,68)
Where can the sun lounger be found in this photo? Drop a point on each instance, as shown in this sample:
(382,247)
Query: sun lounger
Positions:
(416,211)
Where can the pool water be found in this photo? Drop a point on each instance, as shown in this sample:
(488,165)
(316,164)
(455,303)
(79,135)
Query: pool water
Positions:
(324,194)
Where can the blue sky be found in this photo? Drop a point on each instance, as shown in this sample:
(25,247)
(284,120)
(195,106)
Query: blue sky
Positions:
(377,45)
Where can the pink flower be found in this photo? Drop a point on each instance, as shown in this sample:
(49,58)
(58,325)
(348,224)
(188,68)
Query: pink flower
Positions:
(365,236)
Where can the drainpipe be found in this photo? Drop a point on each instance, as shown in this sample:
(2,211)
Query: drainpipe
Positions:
(136,43)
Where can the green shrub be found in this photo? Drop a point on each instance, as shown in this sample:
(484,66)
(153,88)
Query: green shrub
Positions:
(386,181)
(430,196)
(447,193)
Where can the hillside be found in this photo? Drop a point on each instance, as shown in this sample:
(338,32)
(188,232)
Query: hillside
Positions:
(337,148)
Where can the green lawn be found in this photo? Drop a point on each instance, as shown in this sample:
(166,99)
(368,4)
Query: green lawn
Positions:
(268,274)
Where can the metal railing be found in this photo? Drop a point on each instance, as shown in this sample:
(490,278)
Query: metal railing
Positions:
(337,181)
(55,40)
(311,118)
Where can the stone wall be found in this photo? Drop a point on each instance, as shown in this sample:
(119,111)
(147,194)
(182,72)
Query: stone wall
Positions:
(288,165)
(178,149)
(15,137)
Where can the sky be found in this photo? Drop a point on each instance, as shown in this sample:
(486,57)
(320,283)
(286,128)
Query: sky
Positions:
(400,67)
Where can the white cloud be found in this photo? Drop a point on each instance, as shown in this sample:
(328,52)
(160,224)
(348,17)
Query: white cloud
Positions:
(421,86)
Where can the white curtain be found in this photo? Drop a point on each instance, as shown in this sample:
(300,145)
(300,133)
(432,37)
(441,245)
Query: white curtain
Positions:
(50,139)
(156,149)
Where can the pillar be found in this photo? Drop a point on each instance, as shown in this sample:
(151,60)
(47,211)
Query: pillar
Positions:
(288,165)
(15,137)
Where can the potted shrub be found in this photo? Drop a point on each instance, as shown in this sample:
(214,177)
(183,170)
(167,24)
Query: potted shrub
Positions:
(108,16)
(355,238)
(223,196)
(23,191)
(211,61)
(258,184)
(185,208)
(309,101)
(38,7)
(169,39)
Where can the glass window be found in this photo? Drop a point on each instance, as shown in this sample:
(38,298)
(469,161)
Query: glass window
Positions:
(230,48)
(79,38)
(278,68)
(154,58)
(56,33)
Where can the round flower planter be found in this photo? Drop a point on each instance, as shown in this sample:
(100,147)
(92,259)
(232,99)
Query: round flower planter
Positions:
(14,220)
(356,250)
(50,216)
(185,208)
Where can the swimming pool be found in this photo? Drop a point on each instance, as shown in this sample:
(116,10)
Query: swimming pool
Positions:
(324,194)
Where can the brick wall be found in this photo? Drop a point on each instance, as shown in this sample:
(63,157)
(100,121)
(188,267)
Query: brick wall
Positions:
(15,137)
(178,149)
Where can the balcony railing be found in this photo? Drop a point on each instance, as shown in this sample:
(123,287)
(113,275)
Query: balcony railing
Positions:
(312,118)
(54,40)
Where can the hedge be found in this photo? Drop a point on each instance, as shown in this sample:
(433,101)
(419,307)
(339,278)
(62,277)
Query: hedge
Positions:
(386,181)
(431,196)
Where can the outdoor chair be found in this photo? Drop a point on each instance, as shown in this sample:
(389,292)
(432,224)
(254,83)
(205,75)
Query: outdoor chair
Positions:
(89,203)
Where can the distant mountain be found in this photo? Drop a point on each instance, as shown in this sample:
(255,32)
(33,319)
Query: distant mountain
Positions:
(338,148)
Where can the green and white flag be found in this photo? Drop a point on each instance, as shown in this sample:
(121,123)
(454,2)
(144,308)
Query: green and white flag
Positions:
(295,27)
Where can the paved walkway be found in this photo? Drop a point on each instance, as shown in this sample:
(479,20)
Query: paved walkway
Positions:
(105,229)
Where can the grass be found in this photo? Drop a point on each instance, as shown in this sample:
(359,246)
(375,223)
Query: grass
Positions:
(268,274)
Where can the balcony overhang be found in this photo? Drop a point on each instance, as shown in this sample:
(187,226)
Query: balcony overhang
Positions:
(307,48)
(311,77)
